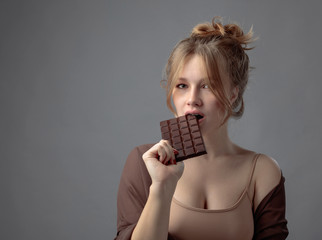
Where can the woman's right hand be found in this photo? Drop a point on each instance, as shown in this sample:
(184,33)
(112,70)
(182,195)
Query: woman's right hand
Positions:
(161,164)
(165,173)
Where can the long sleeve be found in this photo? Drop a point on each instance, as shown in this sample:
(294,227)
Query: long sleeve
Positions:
(269,217)
(133,192)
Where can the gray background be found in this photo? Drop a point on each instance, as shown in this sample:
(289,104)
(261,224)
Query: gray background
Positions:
(79,88)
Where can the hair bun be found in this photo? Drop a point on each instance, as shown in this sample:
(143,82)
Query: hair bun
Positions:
(216,29)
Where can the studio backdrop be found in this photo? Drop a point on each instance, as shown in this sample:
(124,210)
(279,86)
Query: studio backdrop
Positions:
(80,88)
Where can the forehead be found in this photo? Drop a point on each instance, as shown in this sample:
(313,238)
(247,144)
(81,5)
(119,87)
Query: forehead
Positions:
(193,67)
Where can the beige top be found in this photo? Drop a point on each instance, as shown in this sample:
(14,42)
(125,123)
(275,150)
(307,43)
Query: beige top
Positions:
(235,222)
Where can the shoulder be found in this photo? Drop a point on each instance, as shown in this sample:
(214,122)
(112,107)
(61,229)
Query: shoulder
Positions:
(144,147)
(267,175)
(134,170)
(138,151)
(134,159)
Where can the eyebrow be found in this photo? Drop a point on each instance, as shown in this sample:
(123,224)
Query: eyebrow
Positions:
(185,79)
(182,79)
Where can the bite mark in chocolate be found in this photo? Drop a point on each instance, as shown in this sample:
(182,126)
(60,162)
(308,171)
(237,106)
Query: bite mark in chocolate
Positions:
(184,135)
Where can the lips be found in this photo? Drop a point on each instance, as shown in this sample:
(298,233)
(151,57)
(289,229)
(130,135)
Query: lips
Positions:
(199,115)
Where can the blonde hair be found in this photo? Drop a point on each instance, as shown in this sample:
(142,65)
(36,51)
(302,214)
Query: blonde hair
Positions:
(221,47)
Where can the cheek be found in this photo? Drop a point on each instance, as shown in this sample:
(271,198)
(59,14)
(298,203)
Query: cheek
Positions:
(176,101)
(176,98)
(220,106)
(217,106)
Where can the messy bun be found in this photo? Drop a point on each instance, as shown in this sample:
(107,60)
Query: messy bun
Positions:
(216,29)
(223,48)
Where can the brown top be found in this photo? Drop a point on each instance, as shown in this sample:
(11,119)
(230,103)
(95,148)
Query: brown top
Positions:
(268,220)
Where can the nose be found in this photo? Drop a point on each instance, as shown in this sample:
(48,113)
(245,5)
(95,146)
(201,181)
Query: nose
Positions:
(194,98)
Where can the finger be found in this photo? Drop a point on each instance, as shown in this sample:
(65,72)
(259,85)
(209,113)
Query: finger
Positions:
(173,161)
(162,154)
(153,152)
(175,152)
(162,151)
(169,152)
(172,153)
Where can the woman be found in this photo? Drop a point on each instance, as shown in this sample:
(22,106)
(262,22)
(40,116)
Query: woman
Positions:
(229,193)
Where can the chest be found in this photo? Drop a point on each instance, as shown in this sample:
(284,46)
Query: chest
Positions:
(195,223)
(213,202)
(214,186)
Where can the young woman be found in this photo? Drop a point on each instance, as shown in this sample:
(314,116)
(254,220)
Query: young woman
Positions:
(229,193)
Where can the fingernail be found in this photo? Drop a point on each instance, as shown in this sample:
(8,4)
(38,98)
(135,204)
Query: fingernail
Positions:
(175,151)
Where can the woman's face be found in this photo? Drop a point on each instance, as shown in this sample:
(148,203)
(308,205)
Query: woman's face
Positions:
(192,95)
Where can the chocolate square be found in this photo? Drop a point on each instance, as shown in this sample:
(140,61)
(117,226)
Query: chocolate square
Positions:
(184,135)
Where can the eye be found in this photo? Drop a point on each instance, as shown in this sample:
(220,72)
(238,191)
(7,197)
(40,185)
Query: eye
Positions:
(181,85)
(205,86)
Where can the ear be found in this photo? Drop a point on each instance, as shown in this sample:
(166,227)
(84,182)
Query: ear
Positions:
(234,94)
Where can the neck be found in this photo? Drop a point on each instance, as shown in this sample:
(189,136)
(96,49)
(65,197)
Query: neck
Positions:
(218,143)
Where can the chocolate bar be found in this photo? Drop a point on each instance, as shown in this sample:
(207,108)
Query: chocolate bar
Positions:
(184,135)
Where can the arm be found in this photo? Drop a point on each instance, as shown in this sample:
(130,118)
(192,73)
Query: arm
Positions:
(134,198)
(269,201)
(154,220)
(133,192)
(269,217)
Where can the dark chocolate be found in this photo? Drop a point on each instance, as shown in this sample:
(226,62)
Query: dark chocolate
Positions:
(184,135)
